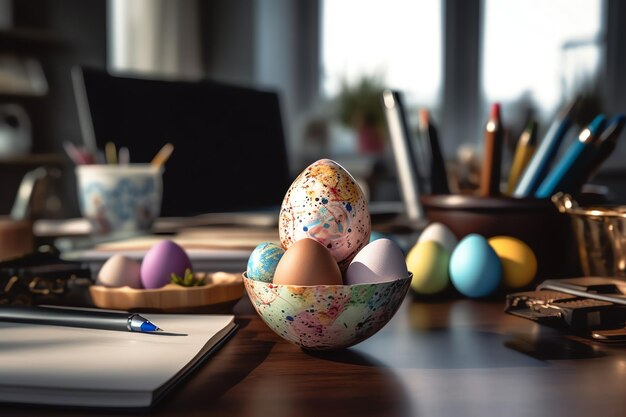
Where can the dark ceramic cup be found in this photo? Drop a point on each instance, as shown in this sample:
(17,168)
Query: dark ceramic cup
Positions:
(538,223)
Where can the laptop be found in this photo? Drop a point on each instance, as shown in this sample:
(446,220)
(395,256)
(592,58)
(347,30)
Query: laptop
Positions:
(230,152)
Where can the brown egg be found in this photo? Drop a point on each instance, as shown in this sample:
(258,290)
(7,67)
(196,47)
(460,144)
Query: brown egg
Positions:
(307,262)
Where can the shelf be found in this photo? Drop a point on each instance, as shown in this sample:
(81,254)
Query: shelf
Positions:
(34,160)
(29,37)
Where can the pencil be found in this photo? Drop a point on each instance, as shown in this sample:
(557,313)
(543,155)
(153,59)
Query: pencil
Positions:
(526,146)
(438,175)
(494,138)
(547,150)
(569,174)
(110,153)
(74,153)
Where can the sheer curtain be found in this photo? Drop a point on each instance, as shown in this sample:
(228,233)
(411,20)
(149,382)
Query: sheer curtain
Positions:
(154,38)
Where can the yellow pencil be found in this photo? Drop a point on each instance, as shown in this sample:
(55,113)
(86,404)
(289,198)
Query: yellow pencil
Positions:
(525,149)
(110,153)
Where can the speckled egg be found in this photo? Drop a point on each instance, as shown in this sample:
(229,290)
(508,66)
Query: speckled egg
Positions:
(325,203)
(263,261)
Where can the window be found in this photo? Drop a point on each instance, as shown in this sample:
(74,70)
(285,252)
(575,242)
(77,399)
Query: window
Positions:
(530,55)
(399,40)
(542,51)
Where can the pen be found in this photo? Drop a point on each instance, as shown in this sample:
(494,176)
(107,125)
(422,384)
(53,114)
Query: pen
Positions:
(494,136)
(539,164)
(124,156)
(570,172)
(605,145)
(410,186)
(90,319)
(438,176)
(526,146)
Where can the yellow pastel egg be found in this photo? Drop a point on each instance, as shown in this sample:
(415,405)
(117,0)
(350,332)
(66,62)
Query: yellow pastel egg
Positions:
(428,261)
(519,264)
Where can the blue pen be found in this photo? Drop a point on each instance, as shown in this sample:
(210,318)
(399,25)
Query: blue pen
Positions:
(605,145)
(570,172)
(91,319)
(546,152)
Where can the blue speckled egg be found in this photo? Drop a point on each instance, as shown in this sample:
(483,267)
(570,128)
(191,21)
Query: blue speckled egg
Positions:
(475,269)
(263,261)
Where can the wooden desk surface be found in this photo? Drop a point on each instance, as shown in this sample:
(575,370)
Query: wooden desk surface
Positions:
(458,358)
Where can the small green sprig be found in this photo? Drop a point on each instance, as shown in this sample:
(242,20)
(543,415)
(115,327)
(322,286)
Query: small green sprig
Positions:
(189,280)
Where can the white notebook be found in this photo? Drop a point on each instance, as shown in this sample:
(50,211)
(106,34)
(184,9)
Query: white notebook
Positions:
(68,366)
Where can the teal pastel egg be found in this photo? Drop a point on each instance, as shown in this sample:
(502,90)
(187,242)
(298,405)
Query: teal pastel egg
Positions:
(475,269)
(377,235)
(263,261)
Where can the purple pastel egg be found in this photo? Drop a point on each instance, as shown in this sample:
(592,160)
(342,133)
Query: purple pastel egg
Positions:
(162,260)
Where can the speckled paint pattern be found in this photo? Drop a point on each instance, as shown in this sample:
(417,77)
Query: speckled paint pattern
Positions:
(326,317)
(264,260)
(325,203)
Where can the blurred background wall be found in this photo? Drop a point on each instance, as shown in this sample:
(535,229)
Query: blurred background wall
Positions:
(453,56)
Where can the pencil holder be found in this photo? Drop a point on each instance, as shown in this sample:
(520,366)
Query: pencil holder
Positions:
(120,198)
(537,222)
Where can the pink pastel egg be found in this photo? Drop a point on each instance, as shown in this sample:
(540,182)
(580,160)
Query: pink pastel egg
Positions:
(325,203)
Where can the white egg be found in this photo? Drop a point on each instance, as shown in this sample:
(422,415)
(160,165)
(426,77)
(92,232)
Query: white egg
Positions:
(379,261)
(439,233)
(119,271)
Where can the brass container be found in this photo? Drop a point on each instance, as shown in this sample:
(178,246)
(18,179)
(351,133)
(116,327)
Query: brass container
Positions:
(600,233)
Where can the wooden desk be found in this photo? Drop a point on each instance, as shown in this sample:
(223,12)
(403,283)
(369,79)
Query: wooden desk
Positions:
(459,358)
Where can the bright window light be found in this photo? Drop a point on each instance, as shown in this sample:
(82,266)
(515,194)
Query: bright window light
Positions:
(537,49)
(399,40)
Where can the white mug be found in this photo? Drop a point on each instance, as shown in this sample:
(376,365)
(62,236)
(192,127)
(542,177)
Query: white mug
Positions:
(15,130)
(120,198)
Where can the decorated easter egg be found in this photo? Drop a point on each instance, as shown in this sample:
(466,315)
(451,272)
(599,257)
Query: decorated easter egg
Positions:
(519,264)
(119,271)
(428,261)
(440,233)
(162,260)
(326,204)
(379,261)
(264,260)
(307,262)
(475,268)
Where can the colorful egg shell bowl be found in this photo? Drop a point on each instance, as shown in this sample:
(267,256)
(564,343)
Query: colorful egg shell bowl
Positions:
(326,317)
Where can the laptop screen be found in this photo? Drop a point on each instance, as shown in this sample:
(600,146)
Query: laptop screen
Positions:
(229,143)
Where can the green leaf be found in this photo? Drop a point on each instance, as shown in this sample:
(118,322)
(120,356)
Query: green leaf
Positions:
(188,280)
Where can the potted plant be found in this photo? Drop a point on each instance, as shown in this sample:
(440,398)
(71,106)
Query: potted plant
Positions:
(360,107)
